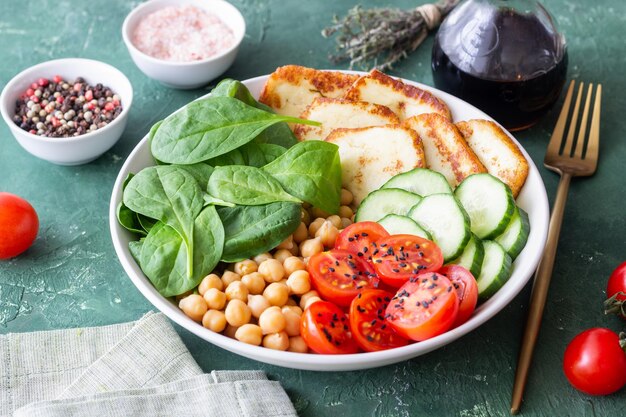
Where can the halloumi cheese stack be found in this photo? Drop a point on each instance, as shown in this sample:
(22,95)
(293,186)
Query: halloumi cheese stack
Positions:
(370,156)
(336,113)
(497,152)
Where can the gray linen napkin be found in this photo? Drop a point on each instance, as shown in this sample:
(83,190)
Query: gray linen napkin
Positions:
(138,369)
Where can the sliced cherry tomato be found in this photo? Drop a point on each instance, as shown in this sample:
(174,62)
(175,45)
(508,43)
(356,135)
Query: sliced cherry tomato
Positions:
(18,225)
(466,288)
(358,238)
(595,363)
(616,292)
(399,257)
(367,322)
(424,307)
(339,275)
(325,329)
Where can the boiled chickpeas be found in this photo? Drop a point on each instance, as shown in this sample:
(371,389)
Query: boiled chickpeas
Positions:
(193,306)
(305,217)
(293,263)
(297,344)
(315,225)
(311,301)
(299,282)
(210,281)
(277,341)
(316,212)
(254,282)
(345,222)
(262,257)
(346,197)
(229,277)
(237,290)
(272,270)
(285,244)
(301,233)
(276,293)
(345,211)
(250,334)
(292,321)
(327,234)
(245,267)
(258,304)
(237,313)
(214,320)
(230,331)
(311,247)
(282,254)
(215,299)
(335,220)
(272,320)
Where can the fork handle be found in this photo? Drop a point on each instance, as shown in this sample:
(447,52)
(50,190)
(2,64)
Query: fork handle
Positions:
(539,294)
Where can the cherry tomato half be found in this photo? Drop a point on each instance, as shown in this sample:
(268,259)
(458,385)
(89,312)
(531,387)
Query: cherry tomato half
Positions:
(339,275)
(367,322)
(466,288)
(595,363)
(399,257)
(424,307)
(18,225)
(617,285)
(358,238)
(325,329)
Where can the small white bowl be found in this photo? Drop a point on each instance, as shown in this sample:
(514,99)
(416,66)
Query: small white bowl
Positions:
(192,74)
(75,150)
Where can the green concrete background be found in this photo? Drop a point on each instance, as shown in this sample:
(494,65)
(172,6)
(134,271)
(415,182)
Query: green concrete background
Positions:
(71,276)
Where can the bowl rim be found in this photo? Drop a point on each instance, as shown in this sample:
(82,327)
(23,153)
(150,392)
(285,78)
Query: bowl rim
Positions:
(126,36)
(4,105)
(317,362)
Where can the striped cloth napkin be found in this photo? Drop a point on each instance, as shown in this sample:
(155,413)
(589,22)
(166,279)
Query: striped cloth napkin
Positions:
(138,369)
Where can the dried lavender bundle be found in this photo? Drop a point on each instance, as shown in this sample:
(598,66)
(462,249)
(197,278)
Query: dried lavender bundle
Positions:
(363,35)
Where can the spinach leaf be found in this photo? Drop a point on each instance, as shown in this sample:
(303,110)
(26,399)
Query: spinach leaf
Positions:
(234,157)
(211,127)
(164,255)
(209,199)
(253,154)
(235,89)
(251,230)
(146,222)
(135,249)
(248,186)
(201,172)
(310,171)
(170,194)
(127,218)
(271,151)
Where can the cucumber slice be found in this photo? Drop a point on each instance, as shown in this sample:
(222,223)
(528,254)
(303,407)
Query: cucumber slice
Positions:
(489,203)
(514,237)
(496,270)
(402,225)
(442,216)
(380,203)
(472,256)
(420,181)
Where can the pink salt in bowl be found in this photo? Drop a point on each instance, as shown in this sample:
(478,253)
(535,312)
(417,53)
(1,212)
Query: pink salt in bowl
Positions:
(185,74)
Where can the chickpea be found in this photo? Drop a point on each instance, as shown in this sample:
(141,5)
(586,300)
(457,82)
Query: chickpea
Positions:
(277,341)
(262,257)
(315,224)
(335,220)
(276,293)
(249,333)
(257,304)
(214,320)
(228,277)
(282,254)
(193,306)
(230,331)
(293,263)
(272,270)
(183,295)
(286,244)
(346,197)
(294,308)
(305,297)
(297,344)
(292,321)
(245,267)
(210,281)
(299,282)
(345,222)
(295,251)
(345,211)
(310,247)
(305,216)
(237,313)
(272,320)
(301,233)
(327,233)
(237,290)
(291,302)
(215,299)
(311,301)
(255,282)
(319,212)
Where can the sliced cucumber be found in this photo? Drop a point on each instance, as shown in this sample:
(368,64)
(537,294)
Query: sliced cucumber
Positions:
(396,224)
(420,181)
(380,203)
(495,271)
(443,217)
(472,256)
(514,237)
(489,203)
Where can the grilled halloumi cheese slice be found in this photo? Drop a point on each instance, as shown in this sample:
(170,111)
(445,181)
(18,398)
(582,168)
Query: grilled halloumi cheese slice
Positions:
(334,113)
(444,147)
(403,99)
(497,152)
(370,156)
(290,89)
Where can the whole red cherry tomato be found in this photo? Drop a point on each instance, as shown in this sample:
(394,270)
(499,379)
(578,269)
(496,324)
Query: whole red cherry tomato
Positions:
(18,225)
(595,362)
(616,292)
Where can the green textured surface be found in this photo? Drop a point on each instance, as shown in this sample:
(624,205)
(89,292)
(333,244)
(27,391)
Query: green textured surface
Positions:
(71,276)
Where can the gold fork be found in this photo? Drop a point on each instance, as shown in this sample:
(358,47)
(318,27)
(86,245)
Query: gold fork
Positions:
(569,158)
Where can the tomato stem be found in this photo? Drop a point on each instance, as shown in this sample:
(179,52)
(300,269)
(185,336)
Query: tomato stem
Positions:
(622,341)
(614,306)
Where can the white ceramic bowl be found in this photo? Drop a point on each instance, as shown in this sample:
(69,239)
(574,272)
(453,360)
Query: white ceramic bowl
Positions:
(532,199)
(185,75)
(79,149)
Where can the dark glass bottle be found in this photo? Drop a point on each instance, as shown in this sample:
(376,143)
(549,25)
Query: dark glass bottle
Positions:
(505,57)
